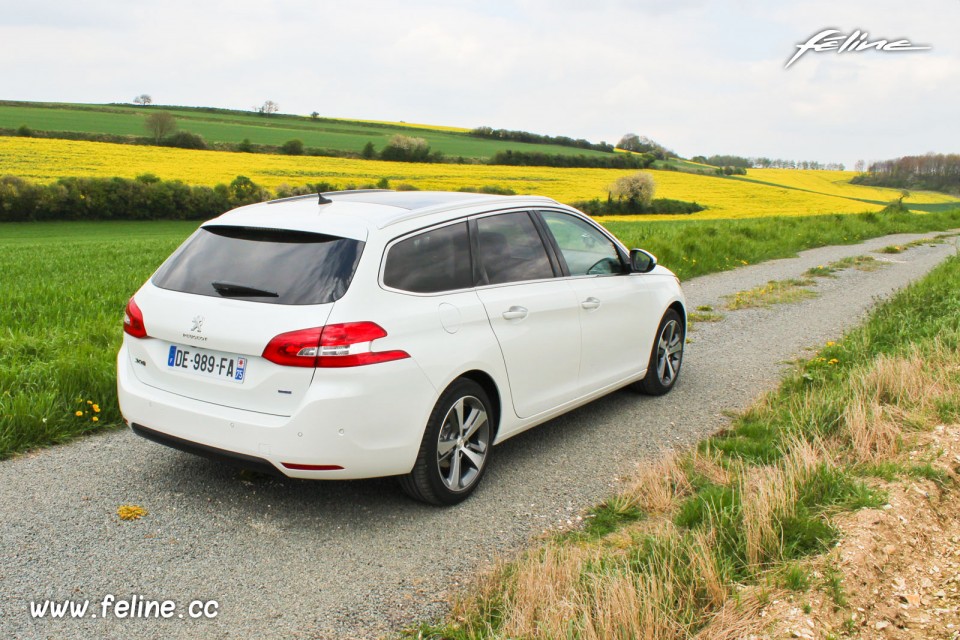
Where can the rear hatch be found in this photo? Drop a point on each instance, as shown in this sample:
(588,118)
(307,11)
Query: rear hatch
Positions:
(216,303)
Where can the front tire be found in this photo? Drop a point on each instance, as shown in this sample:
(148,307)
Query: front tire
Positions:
(665,357)
(456,447)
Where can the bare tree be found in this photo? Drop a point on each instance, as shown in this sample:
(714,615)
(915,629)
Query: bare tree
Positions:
(143,99)
(267,108)
(160,124)
(859,166)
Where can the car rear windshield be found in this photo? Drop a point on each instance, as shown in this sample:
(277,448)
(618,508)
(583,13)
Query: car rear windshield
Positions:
(275,266)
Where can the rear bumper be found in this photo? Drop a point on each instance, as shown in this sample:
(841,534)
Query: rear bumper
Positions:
(220,455)
(367,420)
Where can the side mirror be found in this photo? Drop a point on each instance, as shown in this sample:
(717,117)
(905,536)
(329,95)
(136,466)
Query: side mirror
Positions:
(642,261)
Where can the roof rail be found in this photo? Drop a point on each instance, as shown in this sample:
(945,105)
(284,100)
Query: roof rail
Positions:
(349,191)
(327,193)
(303,197)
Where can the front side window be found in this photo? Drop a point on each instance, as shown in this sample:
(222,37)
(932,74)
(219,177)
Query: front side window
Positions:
(584,248)
(511,249)
(430,262)
(276,266)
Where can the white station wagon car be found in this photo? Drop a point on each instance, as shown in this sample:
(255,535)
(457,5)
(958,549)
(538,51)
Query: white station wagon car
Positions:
(376,333)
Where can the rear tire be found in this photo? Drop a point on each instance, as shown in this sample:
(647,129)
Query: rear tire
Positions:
(456,447)
(663,368)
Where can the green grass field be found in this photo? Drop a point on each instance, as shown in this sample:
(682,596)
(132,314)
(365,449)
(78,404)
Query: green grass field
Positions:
(62,293)
(63,288)
(235,126)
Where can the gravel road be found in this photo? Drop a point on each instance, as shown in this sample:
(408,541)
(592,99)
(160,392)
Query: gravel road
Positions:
(295,559)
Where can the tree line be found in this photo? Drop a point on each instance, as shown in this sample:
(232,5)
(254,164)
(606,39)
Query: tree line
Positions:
(740,162)
(146,197)
(933,171)
(535,138)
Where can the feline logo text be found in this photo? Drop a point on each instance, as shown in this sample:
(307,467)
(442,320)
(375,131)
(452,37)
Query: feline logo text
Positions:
(836,40)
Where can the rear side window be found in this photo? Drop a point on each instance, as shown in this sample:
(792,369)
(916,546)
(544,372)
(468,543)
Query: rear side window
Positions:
(262,265)
(429,262)
(511,249)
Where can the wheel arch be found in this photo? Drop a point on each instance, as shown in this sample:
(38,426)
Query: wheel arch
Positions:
(677,306)
(484,379)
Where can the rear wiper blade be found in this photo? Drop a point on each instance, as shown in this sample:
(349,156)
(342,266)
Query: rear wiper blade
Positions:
(230,289)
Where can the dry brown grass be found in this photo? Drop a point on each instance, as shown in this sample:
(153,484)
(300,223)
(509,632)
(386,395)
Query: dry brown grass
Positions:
(631,605)
(735,620)
(768,501)
(871,437)
(655,487)
(895,391)
(545,596)
(708,466)
(769,495)
(704,565)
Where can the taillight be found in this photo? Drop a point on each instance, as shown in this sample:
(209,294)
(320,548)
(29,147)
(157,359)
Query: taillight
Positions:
(336,345)
(351,345)
(295,349)
(133,321)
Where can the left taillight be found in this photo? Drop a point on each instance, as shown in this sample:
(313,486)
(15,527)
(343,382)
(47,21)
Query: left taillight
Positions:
(295,348)
(133,321)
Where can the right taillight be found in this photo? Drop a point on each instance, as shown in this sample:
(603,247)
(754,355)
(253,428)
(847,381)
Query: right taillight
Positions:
(349,344)
(133,321)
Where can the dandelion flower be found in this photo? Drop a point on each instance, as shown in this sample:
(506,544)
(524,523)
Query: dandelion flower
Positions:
(89,401)
(831,343)
(131,512)
(95,419)
(833,361)
(78,413)
(96,408)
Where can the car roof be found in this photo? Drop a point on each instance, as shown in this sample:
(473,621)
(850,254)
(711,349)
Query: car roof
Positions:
(353,214)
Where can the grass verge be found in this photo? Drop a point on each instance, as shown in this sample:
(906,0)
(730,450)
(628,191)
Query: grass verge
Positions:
(774,292)
(747,505)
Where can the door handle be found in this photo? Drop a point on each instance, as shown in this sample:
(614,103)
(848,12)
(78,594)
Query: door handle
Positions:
(515,313)
(590,304)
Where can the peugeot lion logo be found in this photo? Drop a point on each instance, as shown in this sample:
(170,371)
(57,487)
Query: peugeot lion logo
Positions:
(197,323)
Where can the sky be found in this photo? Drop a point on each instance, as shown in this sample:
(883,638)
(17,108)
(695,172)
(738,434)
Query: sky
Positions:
(701,77)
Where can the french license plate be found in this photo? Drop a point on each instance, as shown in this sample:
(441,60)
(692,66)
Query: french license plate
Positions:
(210,364)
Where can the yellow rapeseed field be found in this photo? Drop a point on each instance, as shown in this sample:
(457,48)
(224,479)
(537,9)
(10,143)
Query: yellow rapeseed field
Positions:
(794,192)
(837,183)
(414,125)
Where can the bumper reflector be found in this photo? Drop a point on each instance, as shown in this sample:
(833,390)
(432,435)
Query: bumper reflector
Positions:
(311,467)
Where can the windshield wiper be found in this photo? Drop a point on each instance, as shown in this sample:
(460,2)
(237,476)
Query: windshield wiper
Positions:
(230,289)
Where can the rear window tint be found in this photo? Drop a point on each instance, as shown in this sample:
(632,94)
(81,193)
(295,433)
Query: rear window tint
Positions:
(511,249)
(429,262)
(275,266)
